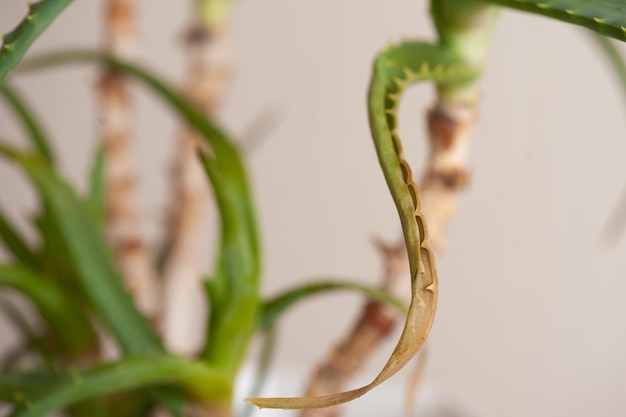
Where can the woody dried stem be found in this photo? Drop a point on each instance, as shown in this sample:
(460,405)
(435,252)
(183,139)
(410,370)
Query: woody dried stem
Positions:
(446,173)
(208,62)
(132,255)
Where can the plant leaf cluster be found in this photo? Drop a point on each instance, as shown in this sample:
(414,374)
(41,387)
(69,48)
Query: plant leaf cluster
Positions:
(71,279)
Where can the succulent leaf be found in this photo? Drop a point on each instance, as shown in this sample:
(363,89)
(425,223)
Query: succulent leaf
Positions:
(607,17)
(16,43)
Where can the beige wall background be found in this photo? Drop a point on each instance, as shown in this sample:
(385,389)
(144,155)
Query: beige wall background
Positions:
(532,318)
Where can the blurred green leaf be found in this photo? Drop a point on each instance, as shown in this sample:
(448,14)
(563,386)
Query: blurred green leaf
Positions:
(234,290)
(200,380)
(67,323)
(90,256)
(15,244)
(56,262)
(614,57)
(22,387)
(32,341)
(616,223)
(33,128)
(276,306)
(226,154)
(97,186)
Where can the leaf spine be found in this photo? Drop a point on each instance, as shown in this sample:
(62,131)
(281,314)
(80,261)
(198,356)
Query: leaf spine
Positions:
(400,82)
(395,97)
(34,7)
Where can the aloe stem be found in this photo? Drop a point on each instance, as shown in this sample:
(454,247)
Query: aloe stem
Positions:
(132,255)
(464,28)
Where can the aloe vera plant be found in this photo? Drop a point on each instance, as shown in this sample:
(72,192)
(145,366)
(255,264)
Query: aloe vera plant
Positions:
(70,276)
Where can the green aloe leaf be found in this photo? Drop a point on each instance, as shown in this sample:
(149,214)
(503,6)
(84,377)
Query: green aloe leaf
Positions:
(607,17)
(196,378)
(32,340)
(276,306)
(24,389)
(226,156)
(55,258)
(15,244)
(234,290)
(16,43)
(67,323)
(90,256)
(33,128)
(20,387)
(613,55)
(97,186)
(616,223)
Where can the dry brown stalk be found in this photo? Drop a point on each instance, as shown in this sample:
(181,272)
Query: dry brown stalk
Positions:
(122,223)
(208,62)
(445,175)
(449,124)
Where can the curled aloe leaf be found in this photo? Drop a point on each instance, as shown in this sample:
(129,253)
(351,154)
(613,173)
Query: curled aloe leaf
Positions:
(394,70)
